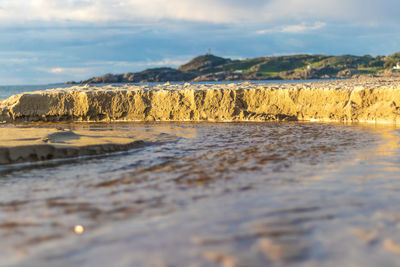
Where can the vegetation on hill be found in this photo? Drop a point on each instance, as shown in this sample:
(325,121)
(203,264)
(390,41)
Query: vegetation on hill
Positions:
(213,68)
(205,64)
(149,75)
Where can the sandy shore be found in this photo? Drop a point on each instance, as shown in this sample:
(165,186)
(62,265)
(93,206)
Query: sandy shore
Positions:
(370,100)
(24,144)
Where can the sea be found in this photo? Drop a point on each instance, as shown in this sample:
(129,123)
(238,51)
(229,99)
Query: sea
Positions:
(219,194)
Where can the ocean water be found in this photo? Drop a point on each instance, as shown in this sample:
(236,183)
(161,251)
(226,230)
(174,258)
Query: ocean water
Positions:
(219,194)
(9,90)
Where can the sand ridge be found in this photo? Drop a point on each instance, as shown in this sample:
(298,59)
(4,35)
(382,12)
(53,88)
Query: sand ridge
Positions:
(27,144)
(358,100)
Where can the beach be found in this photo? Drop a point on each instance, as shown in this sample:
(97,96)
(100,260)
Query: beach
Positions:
(241,174)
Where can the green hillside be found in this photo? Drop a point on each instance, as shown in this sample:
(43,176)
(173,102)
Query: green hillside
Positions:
(213,68)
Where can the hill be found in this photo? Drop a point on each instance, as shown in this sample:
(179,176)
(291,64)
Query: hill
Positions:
(205,64)
(149,75)
(213,68)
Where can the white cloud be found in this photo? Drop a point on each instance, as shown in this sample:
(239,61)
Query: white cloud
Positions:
(57,70)
(167,62)
(303,27)
(96,68)
(213,11)
(295,28)
(138,65)
(69,71)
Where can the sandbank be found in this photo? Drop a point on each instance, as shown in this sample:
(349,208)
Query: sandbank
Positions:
(27,144)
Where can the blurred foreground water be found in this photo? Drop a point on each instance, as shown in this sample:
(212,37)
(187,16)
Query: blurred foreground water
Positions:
(219,194)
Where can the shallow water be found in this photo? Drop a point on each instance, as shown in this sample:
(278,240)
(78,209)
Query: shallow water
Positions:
(221,194)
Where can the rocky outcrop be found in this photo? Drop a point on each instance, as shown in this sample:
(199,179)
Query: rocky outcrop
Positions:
(374,100)
(390,73)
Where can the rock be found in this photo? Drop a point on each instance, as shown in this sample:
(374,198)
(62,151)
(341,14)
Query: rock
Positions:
(376,100)
(71,82)
(390,73)
(346,73)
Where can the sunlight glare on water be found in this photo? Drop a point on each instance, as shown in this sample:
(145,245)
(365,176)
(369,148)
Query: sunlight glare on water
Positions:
(245,194)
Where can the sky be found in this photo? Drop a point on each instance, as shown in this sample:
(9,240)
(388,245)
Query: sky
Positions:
(51,41)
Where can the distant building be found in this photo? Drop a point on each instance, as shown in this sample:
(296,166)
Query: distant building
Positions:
(397,67)
(238,71)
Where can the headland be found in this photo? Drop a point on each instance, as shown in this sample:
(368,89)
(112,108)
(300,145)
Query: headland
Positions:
(292,67)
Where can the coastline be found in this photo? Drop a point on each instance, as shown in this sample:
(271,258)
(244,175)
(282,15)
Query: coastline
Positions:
(348,101)
(271,174)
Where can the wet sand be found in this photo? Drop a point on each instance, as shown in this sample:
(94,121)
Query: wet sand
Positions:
(28,144)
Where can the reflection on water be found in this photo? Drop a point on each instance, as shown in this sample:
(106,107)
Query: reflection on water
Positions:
(223,194)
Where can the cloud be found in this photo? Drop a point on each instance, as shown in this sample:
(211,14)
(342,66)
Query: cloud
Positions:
(57,70)
(69,71)
(211,11)
(295,28)
(138,65)
(95,68)
(63,40)
(303,27)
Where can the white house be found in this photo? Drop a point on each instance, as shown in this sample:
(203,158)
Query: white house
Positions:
(397,67)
